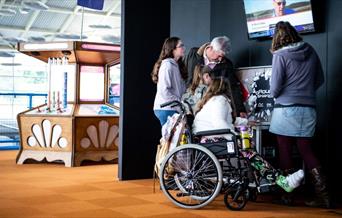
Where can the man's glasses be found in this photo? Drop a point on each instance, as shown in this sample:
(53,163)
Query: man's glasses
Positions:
(180,45)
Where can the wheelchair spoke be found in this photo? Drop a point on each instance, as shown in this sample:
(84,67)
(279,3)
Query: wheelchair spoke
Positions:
(192,177)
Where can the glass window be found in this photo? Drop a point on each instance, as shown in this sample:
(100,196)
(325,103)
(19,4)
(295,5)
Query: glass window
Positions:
(114,84)
(21,78)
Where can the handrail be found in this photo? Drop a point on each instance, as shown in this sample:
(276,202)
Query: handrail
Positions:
(30,95)
(15,94)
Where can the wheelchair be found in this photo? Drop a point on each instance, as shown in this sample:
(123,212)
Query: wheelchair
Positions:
(193,174)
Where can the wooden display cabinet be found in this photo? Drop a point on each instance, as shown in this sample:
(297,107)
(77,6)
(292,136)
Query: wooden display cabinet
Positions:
(85,126)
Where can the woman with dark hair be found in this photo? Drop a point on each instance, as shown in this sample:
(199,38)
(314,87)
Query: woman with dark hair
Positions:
(169,73)
(296,75)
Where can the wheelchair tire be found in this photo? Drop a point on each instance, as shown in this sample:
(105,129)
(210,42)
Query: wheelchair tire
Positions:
(191,176)
(239,203)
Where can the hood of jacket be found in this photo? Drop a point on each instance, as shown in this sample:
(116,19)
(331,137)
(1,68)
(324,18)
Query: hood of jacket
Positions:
(298,51)
(201,49)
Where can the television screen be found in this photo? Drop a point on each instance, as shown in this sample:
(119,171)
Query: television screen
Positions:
(262,15)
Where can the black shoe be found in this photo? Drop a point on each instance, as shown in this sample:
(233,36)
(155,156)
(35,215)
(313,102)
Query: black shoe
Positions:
(320,202)
(285,199)
(322,196)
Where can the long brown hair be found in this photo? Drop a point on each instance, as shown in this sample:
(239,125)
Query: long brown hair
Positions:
(197,78)
(285,34)
(218,86)
(169,45)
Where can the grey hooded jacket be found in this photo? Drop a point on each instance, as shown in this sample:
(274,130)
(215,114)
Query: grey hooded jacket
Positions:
(296,75)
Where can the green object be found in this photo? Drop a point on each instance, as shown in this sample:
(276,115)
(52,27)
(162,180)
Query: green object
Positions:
(282,182)
(257,165)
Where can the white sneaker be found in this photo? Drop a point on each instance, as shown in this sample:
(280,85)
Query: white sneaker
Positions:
(290,182)
(295,179)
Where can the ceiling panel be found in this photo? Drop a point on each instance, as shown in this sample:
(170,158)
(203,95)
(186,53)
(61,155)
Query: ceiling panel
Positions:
(67,4)
(60,18)
(18,20)
(44,21)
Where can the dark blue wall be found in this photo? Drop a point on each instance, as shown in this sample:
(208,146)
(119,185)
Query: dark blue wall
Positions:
(183,19)
(145,25)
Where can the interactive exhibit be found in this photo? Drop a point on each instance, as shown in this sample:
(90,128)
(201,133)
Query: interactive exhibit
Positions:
(76,123)
(258,102)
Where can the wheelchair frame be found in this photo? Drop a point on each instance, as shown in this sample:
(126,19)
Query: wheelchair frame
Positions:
(193,175)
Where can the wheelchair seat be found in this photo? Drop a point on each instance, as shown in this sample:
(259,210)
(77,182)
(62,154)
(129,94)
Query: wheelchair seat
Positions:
(222,147)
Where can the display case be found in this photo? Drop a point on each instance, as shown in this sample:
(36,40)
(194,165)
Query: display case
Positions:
(77,122)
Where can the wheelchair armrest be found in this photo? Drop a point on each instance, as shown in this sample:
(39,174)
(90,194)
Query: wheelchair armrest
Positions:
(214,132)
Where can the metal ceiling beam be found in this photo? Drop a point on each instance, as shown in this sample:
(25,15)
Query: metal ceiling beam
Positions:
(113,8)
(6,47)
(68,21)
(33,17)
(2,2)
(87,12)
(69,11)
(22,29)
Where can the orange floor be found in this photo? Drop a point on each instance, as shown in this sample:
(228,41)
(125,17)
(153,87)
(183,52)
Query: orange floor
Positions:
(52,190)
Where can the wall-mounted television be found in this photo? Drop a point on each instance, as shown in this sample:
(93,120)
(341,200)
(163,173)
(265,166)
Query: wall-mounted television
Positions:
(262,15)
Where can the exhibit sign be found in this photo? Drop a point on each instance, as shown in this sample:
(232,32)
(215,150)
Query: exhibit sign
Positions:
(255,82)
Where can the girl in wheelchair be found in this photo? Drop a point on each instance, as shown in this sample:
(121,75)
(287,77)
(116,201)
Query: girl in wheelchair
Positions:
(214,111)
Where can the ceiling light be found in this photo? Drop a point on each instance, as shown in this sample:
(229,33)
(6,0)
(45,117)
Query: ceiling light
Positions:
(99,26)
(24,10)
(7,12)
(70,36)
(38,5)
(100,47)
(6,54)
(47,46)
(111,38)
(37,39)
(11,64)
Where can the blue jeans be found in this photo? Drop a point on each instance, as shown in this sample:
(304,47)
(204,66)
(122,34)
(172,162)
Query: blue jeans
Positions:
(163,114)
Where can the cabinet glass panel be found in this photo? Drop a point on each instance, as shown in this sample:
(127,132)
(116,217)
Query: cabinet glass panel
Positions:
(114,85)
(92,83)
(61,74)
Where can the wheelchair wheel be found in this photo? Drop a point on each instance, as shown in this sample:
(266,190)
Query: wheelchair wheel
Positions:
(191,176)
(234,200)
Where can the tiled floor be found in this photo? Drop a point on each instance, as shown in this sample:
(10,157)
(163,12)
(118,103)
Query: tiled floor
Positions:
(52,190)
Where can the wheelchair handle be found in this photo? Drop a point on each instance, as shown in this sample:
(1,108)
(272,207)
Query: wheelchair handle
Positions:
(214,132)
(172,103)
(176,103)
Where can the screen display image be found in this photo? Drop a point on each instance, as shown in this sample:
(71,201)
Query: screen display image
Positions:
(262,15)
(256,92)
